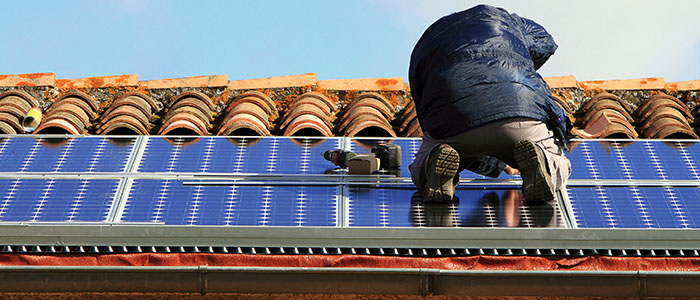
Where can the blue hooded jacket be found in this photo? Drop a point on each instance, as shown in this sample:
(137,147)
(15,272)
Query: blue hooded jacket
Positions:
(478,66)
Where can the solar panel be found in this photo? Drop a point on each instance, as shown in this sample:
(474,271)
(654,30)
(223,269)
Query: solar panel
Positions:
(93,154)
(275,155)
(171,202)
(635,207)
(474,207)
(648,160)
(56,200)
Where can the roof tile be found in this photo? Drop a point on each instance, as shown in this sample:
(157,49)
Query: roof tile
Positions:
(196,81)
(365,84)
(33,79)
(562,82)
(274,82)
(657,83)
(98,82)
(692,85)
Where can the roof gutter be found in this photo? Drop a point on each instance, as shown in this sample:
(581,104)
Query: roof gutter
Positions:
(203,280)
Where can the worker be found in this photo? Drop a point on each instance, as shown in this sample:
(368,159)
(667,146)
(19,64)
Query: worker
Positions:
(483,106)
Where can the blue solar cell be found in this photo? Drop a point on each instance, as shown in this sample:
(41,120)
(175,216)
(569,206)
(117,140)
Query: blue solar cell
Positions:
(409,148)
(271,155)
(56,200)
(635,207)
(170,202)
(647,160)
(28,154)
(396,207)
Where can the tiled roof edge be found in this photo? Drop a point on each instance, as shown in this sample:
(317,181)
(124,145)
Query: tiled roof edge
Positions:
(562,82)
(364,84)
(274,82)
(32,79)
(654,83)
(99,82)
(690,85)
(196,81)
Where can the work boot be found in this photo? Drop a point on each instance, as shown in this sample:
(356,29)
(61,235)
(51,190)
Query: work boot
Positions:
(442,168)
(537,183)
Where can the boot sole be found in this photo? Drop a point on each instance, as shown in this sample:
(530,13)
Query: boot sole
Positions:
(441,171)
(537,185)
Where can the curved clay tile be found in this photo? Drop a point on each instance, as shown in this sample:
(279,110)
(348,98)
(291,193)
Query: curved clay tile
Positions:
(408,118)
(369,121)
(373,100)
(16,103)
(192,94)
(6,128)
(121,123)
(606,96)
(308,121)
(614,114)
(661,101)
(249,109)
(352,115)
(665,127)
(664,112)
(22,95)
(66,116)
(608,104)
(72,109)
(414,129)
(192,102)
(13,110)
(192,120)
(312,98)
(306,109)
(202,116)
(126,109)
(57,126)
(606,124)
(257,98)
(94,107)
(11,120)
(243,121)
(562,103)
(178,126)
(84,106)
(144,103)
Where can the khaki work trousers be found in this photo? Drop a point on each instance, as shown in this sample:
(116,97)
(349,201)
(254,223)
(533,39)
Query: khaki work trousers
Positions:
(497,139)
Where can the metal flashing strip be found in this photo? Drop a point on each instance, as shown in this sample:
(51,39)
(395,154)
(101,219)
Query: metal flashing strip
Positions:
(336,240)
(423,282)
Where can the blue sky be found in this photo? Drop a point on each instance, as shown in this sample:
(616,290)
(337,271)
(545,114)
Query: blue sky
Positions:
(598,39)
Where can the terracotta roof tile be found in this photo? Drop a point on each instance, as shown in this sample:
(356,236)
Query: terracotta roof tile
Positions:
(33,79)
(196,81)
(274,82)
(310,111)
(98,82)
(367,84)
(562,82)
(251,112)
(625,84)
(692,85)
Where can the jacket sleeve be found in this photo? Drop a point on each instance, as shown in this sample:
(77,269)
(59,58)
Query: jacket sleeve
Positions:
(540,43)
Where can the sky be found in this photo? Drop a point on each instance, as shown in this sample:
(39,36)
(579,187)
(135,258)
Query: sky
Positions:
(598,39)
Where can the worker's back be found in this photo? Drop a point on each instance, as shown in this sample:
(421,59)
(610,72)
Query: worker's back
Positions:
(479,66)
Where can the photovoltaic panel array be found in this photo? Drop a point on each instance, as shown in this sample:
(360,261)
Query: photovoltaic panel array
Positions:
(641,184)
(281,181)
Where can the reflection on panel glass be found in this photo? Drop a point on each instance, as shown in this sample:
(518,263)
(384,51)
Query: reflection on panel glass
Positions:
(170,202)
(635,207)
(270,155)
(395,207)
(648,160)
(93,154)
